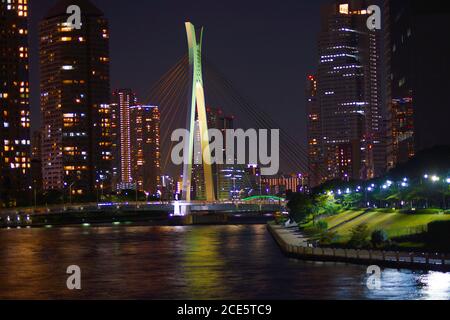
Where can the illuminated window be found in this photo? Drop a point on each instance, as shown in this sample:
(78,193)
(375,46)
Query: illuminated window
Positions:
(343,8)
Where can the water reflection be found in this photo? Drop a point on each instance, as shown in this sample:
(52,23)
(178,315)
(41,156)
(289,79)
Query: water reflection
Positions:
(202,264)
(211,262)
(436,285)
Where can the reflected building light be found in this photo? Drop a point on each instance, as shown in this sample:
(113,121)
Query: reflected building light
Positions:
(436,285)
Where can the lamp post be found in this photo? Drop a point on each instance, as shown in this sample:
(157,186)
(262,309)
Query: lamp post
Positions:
(96,189)
(70,192)
(101,192)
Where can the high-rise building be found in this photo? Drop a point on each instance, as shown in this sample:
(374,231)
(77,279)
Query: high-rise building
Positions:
(36,162)
(402,129)
(314,133)
(419,75)
(136,143)
(351,107)
(171,188)
(122,101)
(232,179)
(115,143)
(400,82)
(229,180)
(145,148)
(213,118)
(14,104)
(75,96)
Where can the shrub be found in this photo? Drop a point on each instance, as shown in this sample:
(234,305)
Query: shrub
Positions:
(328,237)
(359,236)
(322,225)
(281,220)
(379,237)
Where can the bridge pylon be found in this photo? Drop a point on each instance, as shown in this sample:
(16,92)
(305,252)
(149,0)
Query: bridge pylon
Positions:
(196,109)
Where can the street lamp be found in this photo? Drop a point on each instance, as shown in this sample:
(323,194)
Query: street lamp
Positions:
(435,179)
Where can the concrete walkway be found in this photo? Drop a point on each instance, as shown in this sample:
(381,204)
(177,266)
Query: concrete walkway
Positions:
(291,235)
(294,244)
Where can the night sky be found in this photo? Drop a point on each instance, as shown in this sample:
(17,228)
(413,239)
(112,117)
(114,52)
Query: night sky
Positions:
(266,48)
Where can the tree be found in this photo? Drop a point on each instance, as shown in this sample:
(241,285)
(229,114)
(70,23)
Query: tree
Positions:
(359,235)
(326,204)
(300,207)
(352,200)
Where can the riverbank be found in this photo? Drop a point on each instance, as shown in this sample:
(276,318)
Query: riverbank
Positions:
(294,244)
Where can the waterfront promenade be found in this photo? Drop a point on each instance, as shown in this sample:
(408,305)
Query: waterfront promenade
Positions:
(296,245)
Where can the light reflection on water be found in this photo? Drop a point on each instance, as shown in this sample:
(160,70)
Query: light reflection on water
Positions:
(211,262)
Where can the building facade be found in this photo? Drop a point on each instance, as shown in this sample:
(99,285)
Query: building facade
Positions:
(419,76)
(122,102)
(75,96)
(230,180)
(15,157)
(314,133)
(36,162)
(136,143)
(351,107)
(146,148)
(283,184)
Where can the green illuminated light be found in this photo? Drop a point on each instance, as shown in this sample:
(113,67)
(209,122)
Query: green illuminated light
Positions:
(263,198)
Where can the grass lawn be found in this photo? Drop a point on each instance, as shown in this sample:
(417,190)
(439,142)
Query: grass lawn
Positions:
(394,223)
(342,217)
(336,219)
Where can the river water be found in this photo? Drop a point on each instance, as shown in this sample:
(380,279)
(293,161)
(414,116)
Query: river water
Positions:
(198,262)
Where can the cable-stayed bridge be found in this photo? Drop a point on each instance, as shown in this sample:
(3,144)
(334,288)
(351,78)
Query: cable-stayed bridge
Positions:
(184,93)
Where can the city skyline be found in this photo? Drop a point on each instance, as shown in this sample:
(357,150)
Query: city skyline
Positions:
(252,43)
(235,150)
(352,139)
